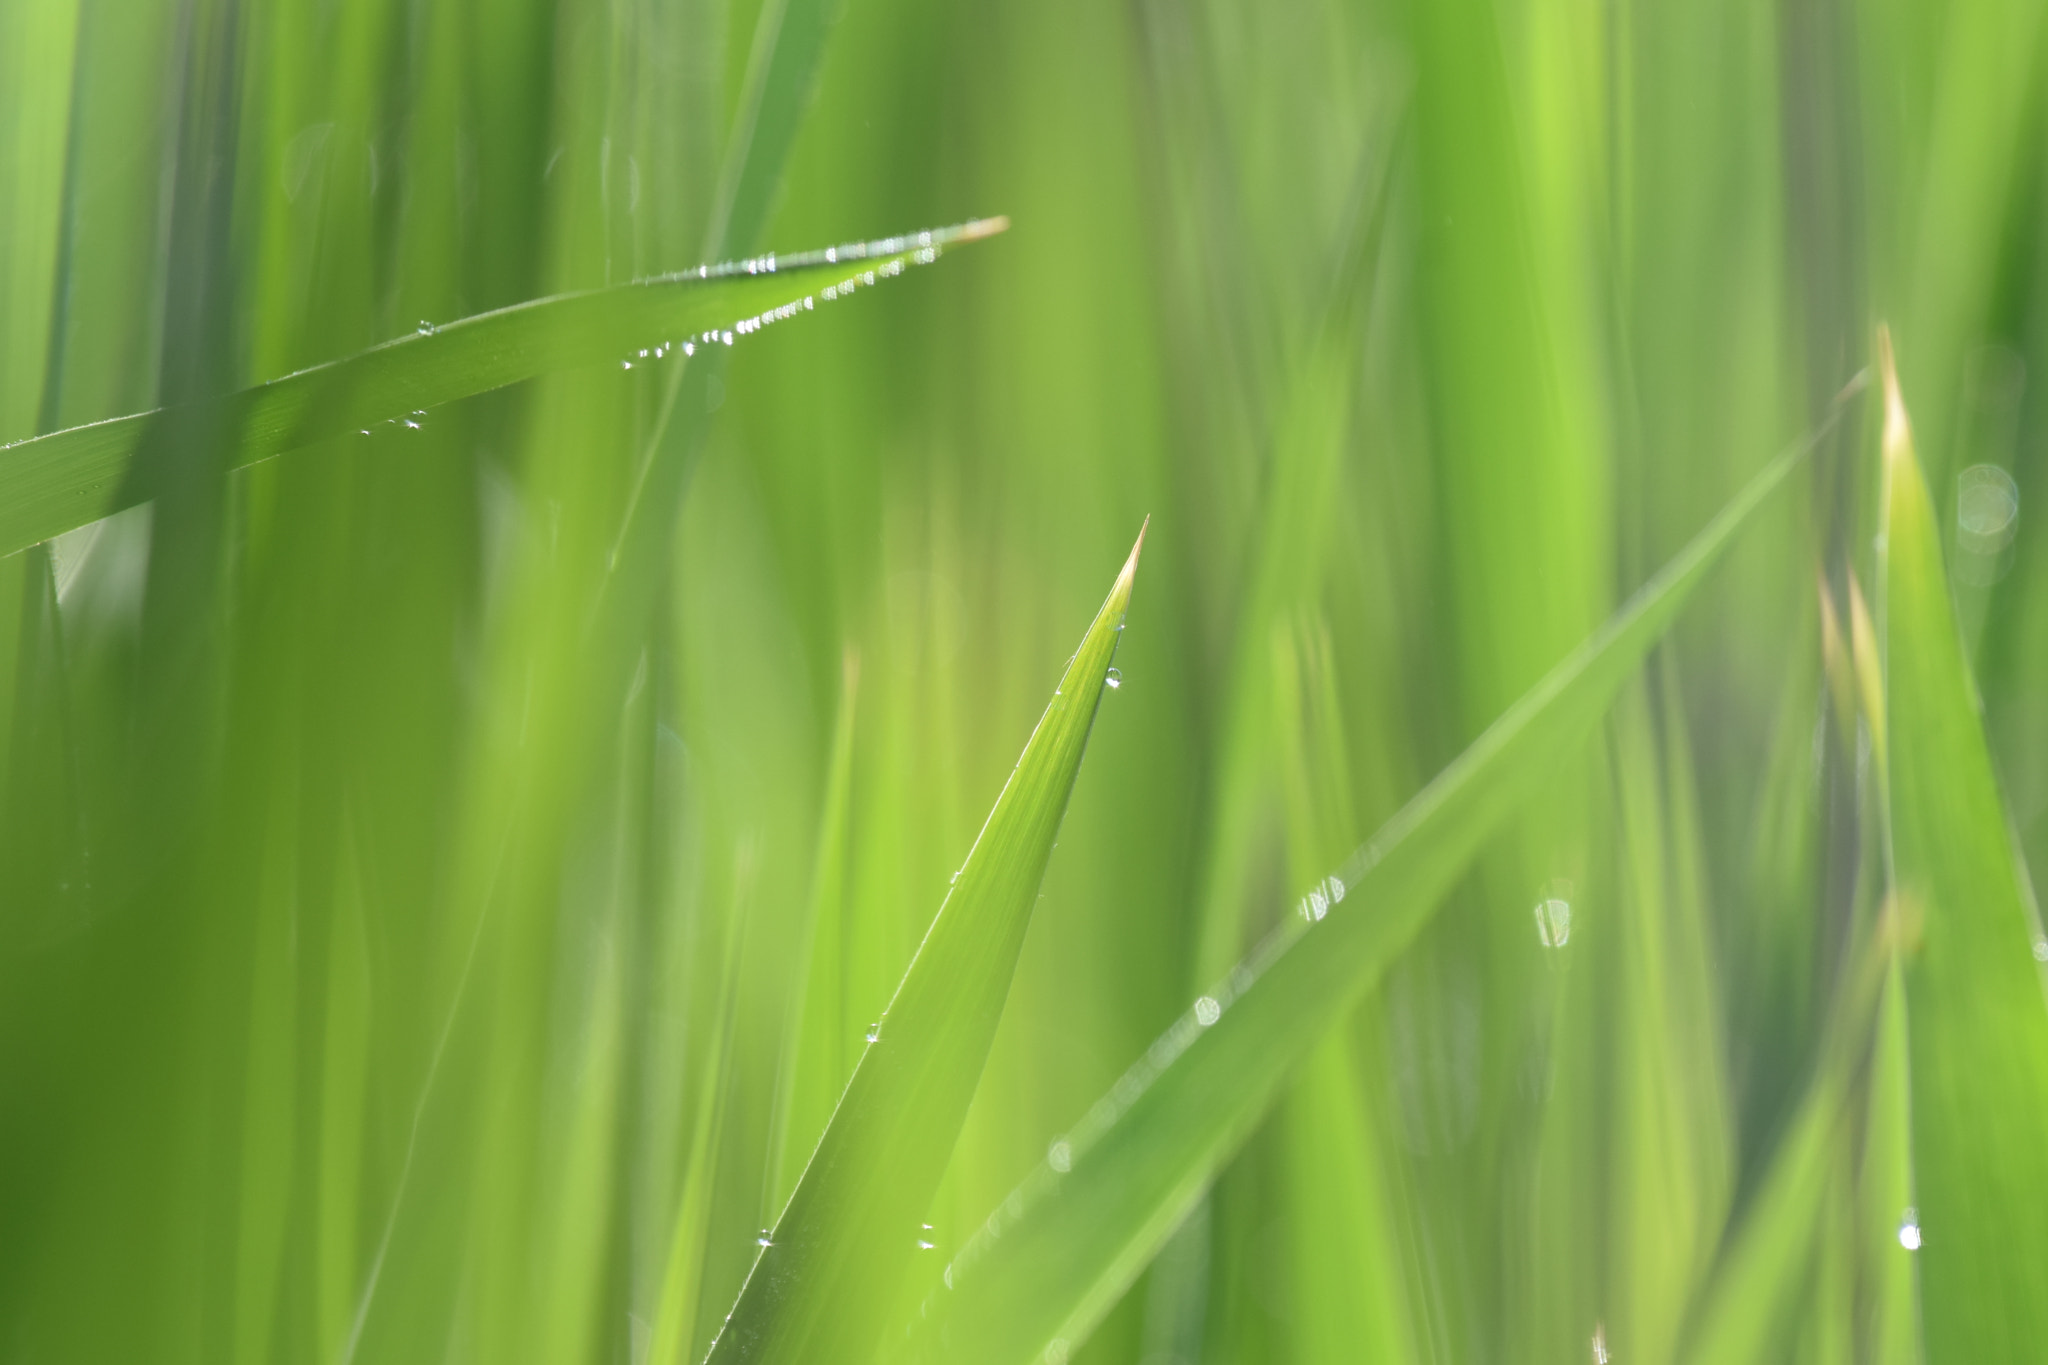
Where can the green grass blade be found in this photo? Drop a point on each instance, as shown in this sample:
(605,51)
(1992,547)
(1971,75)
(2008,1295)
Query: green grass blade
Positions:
(1743,1308)
(790,39)
(54,483)
(1975,1013)
(1057,1254)
(822,1287)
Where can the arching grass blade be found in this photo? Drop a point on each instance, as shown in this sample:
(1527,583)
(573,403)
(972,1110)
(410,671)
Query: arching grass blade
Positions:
(53,483)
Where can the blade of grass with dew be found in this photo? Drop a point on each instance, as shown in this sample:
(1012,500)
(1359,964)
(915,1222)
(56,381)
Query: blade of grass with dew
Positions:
(1974,992)
(53,483)
(1056,1255)
(823,1282)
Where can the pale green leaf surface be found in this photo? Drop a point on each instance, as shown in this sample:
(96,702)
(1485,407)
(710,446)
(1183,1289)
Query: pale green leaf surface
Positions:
(53,483)
(1975,1012)
(820,1289)
(1056,1255)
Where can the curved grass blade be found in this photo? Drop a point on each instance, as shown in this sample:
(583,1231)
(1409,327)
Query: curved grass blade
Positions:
(1054,1258)
(1976,1020)
(833,1263)
(54,483)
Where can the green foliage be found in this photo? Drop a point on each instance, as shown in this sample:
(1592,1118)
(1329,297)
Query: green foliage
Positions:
(448,875)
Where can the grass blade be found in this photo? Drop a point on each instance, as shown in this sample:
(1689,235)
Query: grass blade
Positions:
(54,483)
(1056,1255)
(821,1287)
(1743,1307)
(1976,1020)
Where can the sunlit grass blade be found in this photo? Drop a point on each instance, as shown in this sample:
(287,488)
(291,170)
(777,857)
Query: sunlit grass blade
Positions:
(1974,1006)
(1050,1261)
(53,483)
(823,1284)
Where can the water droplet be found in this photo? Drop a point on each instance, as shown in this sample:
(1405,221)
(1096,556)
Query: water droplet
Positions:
(1909,1230)
(2041,950)
(425,329)
(1207,1011)
(643,353)
(1056,1351)
(923,1245)
(764,1239)
(1554,914)
(412,425)
(874,1032)
(1600,1356)
(625,364)
(1060,1156)
(1112,679)
(1987,506)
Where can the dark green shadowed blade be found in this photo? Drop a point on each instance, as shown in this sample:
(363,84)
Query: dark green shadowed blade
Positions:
(822,1286)
(1976,1020)
(1058,1253)
(54,483)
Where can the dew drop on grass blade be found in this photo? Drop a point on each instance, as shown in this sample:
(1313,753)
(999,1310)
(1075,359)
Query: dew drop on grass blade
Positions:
(833,1263)
(1056,1255)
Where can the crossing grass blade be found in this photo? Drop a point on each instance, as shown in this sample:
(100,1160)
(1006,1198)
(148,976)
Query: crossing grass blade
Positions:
(1977,1023)
(54,483)
(829,1271)
(1049,1262)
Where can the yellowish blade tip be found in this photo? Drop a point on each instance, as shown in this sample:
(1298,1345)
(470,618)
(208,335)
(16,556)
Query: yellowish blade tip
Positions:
(1124,579)
(1898,430)
(984,227)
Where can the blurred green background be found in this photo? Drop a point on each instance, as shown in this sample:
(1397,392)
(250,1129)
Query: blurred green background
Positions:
(389,974)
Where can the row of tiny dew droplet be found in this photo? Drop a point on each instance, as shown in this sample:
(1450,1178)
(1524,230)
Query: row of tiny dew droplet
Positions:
(924,255)
(1206,1010)
(898,247)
